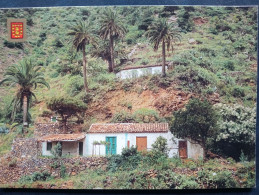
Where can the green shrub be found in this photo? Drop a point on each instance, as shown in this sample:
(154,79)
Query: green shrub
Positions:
(224,179)
(238,91)
(75,85)
(123,117)
(57,150)
(189,183)
(229,65)
(160,146)
(63,170)
(146,115)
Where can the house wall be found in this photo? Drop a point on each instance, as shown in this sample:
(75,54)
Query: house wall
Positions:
(44,148)
(194,150)
(70,148)
(123,138)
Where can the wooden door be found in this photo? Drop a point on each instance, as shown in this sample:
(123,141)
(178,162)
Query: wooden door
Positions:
(183,149)
(141,143)
(111,147)
(81,148)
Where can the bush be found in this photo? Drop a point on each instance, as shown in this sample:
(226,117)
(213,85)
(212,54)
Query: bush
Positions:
(3,129)
(36,176)
(128,160)
(238,92)
(224,179)
(160,146)
(75,85)
(237,127)
(123,117)
(63,171)
(57,150)
(146,115)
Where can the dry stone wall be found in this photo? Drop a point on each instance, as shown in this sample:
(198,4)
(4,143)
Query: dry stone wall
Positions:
(24,148)
(21,167)
(42,129)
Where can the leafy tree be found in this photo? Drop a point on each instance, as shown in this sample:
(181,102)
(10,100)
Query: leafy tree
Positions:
(82,37)
(111,28)
(197,122)
(237,127)
(161,31)
(66,107)
(25,76)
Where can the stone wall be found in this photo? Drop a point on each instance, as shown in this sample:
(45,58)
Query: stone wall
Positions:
(24,148)
(22,167)
(42,129)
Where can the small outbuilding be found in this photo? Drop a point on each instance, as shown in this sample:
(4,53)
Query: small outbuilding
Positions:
(71,144)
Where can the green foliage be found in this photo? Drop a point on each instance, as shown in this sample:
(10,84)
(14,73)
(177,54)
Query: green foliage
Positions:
(123,117)
(36,176)
(160,146)
(146,115)
(3,128)
(184,19)
(128,160)
(57,150)
(142,115)
(237,127)
(66,107)
(75,85)
(63,171)
(197,122)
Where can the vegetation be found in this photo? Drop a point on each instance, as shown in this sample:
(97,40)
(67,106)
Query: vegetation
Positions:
(216,61)
(66,107)
(26,76)
(197,123)
(161,31)
(82,37)
(111,28)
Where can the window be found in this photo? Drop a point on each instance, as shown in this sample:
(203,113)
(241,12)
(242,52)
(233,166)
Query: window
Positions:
(49,146)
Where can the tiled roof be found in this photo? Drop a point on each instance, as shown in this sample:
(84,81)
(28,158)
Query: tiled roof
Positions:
(62,137)
(129,128)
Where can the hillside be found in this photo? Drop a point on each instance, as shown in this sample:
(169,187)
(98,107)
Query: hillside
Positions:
(214,59)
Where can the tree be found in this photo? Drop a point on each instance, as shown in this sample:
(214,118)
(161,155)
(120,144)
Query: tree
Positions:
(66,107)
(103,51)
(161,31)
(111,28)
(237,130)
(25,76)
(197,122)
(82,37)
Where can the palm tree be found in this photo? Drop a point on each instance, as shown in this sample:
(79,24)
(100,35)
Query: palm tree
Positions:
(103,51)
(25,76)
(111,28)
(161,31)
(82,37)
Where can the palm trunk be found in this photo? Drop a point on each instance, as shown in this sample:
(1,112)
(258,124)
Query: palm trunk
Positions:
(25,110)
(84,71)
(110,66)
(111,49)
(163,56)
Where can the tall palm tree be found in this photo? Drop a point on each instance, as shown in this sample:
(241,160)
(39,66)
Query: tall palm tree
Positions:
(161,31)
(111,28)
(25,76)
(82,37)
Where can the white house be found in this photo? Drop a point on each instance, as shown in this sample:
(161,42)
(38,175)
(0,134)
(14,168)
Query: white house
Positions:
(119,136)
(142,135)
